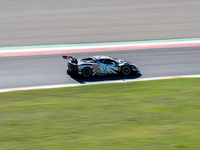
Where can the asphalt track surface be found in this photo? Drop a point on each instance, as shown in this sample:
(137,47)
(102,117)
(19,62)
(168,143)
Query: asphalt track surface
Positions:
(46,22)
(25,71)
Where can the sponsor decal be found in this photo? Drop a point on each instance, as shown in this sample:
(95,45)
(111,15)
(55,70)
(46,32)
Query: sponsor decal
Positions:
(104,70)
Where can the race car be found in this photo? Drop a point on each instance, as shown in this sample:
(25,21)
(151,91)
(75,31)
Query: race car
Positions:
(100,66)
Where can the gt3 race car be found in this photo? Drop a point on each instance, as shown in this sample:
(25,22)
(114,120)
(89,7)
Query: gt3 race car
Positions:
(100,66)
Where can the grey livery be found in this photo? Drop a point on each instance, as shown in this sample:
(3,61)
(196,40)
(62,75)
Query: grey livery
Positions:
(100,66)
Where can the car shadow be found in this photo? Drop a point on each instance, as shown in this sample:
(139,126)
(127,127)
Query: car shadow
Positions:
(82,80)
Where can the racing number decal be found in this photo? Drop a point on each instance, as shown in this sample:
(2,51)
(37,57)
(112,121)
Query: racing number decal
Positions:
(95,67)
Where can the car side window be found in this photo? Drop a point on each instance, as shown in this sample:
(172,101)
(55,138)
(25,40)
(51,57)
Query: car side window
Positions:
(101,60)
(104,61)
(110,61)
(107,61)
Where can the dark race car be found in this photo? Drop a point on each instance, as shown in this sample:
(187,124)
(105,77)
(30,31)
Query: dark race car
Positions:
(100,66)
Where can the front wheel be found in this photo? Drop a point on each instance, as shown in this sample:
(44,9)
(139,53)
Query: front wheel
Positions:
(86,72)
(126,70)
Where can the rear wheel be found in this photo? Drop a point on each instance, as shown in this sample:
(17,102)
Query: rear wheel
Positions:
(86,72)
(126,70)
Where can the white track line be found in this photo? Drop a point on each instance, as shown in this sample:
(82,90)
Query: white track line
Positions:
(95,83)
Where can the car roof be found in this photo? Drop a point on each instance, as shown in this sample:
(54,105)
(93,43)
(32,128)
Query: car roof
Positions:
(101,57)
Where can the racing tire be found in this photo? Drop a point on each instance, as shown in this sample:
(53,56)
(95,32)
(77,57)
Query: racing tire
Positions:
(126,70)
(86,72)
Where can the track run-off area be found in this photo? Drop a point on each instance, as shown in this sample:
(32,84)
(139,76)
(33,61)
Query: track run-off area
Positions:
(41,67)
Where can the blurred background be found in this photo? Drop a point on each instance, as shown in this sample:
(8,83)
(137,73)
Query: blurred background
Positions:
(46,22)
(152,115)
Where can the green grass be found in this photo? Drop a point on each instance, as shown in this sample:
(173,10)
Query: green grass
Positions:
(153,115)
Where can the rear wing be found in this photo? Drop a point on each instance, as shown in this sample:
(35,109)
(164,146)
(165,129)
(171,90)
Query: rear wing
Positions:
(74,60)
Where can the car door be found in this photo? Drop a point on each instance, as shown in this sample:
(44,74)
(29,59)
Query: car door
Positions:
(108,66)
